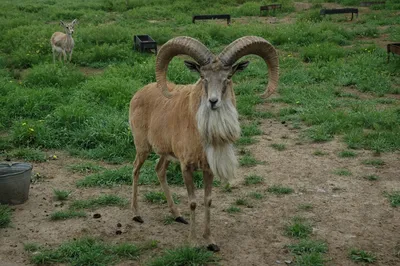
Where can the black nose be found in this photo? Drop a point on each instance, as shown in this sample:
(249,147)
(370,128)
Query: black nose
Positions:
(213,101)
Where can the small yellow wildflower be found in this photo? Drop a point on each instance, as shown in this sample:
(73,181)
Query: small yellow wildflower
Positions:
(24,124)
(31,129)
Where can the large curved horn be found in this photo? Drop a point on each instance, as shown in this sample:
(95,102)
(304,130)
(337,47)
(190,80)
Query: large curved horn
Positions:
(258,46)
(179,45)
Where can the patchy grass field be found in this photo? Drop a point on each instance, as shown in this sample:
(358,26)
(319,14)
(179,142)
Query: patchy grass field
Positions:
(319,177)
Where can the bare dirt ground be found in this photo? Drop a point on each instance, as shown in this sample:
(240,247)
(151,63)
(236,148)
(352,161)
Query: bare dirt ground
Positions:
(348,211)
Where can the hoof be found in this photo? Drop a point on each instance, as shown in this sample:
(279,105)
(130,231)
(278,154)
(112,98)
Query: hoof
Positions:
(138,219)
(213,248)
(181,220)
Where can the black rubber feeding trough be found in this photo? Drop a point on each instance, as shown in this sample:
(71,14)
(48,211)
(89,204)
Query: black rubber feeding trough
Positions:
(15,179)
(144,42)
(393,48)
(339,11)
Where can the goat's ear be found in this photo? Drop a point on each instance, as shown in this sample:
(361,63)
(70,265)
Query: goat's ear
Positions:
(62,23)
(192,66)
(239,67)
(75,21)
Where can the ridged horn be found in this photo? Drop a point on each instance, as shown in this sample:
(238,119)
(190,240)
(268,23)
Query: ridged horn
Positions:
(257,46)
(176,46)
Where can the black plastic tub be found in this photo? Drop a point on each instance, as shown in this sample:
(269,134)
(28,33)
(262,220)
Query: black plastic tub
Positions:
(15,179)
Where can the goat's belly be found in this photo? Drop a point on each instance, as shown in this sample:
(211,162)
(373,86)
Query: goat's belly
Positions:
(172,158)
(57,49)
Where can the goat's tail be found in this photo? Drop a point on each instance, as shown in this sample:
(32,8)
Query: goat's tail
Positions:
(222,161)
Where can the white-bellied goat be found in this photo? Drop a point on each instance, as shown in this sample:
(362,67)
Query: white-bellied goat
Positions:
(63,43)
(194,124)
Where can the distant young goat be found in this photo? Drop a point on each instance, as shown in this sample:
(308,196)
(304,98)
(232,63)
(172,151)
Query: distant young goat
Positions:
(195,124)
(63,43)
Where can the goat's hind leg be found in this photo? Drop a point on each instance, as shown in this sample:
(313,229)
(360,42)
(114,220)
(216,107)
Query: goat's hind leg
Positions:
(161,170)
(139,160)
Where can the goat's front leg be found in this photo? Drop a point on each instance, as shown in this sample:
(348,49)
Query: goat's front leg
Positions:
(208,180)
(65,55)
(70,56)
(161,170)
(187,172)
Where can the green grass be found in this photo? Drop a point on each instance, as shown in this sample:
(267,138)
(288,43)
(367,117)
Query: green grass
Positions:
(308,252)
(5,216)
(29,154)
(174,176)
(256,195)
(185,256)
(371,177)
(253,180)
(394,198)
(247,160)
(85,168)
(347,154)
(241,202)
(31,247)
(87,251)
(278,146)
(342,172)
(87,115)
(67,214)
(251,129)
(374,162)
(243,141)
(298,227)
(61,194)
(159,197)
(233,209)
(310,259)
(320,153)
(168,220)
(358,255)
(108,178)
(306,207)
(101,201)
(308,246)
(280,190)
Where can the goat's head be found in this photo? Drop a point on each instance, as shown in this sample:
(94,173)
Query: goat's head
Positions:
(216,79)
(216,71)
(69,27)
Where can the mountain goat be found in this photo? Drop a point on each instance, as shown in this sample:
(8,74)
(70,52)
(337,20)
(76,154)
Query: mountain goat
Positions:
(194,124)
(63,43)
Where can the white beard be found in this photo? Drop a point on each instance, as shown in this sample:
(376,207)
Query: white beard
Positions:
(219,129)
